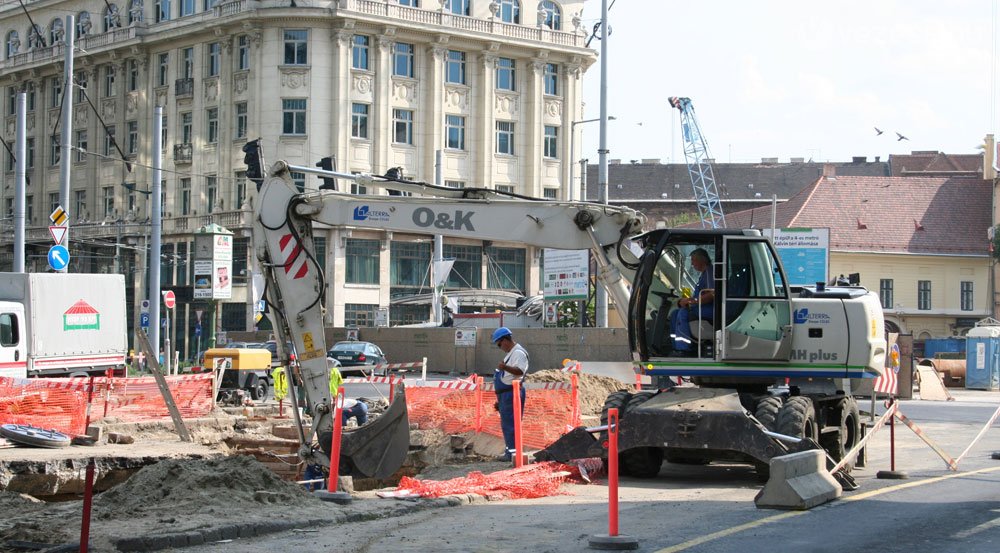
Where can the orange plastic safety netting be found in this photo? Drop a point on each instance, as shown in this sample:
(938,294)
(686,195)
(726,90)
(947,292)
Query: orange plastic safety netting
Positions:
(462,406)
(62,403)
(527,482)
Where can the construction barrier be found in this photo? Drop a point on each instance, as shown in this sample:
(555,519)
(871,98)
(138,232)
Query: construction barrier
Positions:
(62,403)
(460,406)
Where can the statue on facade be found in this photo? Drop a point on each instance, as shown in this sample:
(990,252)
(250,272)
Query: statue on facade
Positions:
(58,33)
(114,18)
(85,24)
(135,12)
(34,37)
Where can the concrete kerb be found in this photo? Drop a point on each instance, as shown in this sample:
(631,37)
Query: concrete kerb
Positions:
(799,481)
(264,527)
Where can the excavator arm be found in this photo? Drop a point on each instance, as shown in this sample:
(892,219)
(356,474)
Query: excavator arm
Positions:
(284,246)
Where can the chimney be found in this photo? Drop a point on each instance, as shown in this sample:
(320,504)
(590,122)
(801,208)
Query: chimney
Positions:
(829,171)
(797,160)
(651,161)
(989,158)
(767,160)
(859,159)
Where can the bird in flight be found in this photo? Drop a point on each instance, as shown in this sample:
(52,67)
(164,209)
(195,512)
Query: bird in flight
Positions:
(878,131)
(901,137)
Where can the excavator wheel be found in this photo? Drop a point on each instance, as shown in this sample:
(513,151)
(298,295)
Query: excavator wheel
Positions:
(798,418)
(767,410)
(640,462)
(849,434)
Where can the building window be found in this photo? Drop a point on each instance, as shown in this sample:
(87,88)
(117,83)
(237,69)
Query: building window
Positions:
(551,142)
(359,120)
(457,7)
(109,80)
(467,272)
(187,127)
(54,149)
(240,190)
(187,7)
(29,209)
(402,122)
(79,203)
(411,3)
(360,314)
(923,295)
(30,161)
(11,100)
(133,76)
(505,268)
(185,199)
(162,67)
(293,116)
(131,198)
(296,41)
(211,192)
(359,52)
(132,140)
(510,11)
(241,120)
(361,261)
(214,53)
(298,180)
(109,201)
(550,193)
(505,188)
(212,117)
(163,134)
(966,299)
(53,201)
(81,146)
(81,87)
(187,62)
(455,67)
(505,137)
(243,53)
(402,60)
(551,79)
(505,74)
(408,263)
(56,99)
(110,146)
(454,128)
(553,16)
(885,293)
(454,184)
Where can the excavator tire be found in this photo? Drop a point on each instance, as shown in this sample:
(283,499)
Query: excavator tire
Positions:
(616,400)
(849,435)
(797,418)
(767,412)
(640,462)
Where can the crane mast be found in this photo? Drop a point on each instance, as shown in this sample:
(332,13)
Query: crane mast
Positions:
(699,167)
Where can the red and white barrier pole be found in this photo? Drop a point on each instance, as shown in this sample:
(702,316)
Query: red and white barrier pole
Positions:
(281,408)
(107,397)
(518,459)
(392,388)
(638,382)
(338,414)
(612,540)
(892,473)
(479,404)
(88,498)
(90,401)
(574,380)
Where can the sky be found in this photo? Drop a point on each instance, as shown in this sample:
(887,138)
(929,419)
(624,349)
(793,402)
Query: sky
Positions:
(781,78)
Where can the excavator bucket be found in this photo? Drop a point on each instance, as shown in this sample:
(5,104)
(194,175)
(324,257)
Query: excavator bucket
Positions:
(377,449)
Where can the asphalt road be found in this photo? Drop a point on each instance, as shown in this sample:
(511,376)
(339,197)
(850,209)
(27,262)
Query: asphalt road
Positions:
(710,509)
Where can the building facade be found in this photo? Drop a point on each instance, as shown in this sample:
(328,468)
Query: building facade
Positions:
(375,84)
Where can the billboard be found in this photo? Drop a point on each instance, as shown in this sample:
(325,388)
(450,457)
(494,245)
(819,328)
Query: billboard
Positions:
(566,274)
(805,253)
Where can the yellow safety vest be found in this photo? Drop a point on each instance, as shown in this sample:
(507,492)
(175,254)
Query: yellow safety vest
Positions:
(336,381)
(280,383)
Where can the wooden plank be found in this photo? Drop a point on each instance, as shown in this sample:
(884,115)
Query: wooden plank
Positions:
(154,365)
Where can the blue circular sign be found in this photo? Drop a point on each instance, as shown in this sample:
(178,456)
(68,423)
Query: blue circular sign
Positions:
(58,257)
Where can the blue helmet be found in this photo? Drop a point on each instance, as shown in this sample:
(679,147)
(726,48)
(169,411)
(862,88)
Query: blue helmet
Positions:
(500,333)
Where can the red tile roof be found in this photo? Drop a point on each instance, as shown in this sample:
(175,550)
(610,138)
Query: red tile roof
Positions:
(888,214)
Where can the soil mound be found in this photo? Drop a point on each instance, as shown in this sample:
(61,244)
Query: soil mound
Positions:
(198,486)
(593,389)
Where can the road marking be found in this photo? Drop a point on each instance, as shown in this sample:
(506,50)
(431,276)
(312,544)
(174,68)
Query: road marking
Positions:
(977,529)
(789,514)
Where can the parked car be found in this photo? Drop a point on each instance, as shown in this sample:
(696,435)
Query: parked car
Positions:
(272,346)
(357,356)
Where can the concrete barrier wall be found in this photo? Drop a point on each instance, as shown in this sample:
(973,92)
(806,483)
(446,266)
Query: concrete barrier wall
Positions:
(547,347)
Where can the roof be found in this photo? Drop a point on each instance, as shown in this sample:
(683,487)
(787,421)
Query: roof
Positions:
(735,181)
(888,214)
(936,164)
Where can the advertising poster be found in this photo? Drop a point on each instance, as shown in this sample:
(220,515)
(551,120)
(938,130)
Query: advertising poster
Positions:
(566,274)
(202,280)
(805,253)
(222,280)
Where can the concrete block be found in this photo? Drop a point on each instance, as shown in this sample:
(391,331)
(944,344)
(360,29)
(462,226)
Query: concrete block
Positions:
(228,532)
(798,481)
(95,432)
(211,535)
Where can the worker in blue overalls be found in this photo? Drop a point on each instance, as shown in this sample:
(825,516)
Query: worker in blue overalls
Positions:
(514,365)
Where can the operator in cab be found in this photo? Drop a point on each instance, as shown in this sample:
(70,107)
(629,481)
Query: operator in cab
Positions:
(699,305)
(514,365)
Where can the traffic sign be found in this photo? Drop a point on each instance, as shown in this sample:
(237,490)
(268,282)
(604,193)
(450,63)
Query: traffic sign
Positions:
(144,320)
(58,257)
(58,233)
(58,216)
(197,330)
(144,307)
(169,299)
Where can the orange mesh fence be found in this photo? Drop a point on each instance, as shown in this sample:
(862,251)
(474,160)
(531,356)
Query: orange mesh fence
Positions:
(61,403)
(529,481)
(463,406)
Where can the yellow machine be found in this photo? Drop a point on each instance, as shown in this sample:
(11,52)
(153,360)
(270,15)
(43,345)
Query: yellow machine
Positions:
(243,369)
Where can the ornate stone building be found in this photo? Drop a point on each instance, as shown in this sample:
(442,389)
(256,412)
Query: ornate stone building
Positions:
(376,84)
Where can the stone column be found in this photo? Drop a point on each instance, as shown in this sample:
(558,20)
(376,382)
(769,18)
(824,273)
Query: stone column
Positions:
(433,126)
(381,125)
(341,134)
(488,120)
(532,128)
(569,86)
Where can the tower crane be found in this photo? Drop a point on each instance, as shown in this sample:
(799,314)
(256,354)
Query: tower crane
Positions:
(699,166)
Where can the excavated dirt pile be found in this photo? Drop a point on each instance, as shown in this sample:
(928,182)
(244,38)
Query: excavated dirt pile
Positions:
(593,389)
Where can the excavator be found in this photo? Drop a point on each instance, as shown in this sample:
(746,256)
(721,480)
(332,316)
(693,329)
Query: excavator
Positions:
(772,363)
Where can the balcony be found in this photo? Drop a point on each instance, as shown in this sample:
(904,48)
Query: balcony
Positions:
(183,153)
(184,88)
(91,44)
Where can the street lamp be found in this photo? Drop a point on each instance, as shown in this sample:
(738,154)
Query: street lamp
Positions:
(572,156)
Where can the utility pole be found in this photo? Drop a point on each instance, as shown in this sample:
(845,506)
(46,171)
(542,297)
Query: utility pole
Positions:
(65,145)
(436,308)
(20,165)
(601,303)
(154,250)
